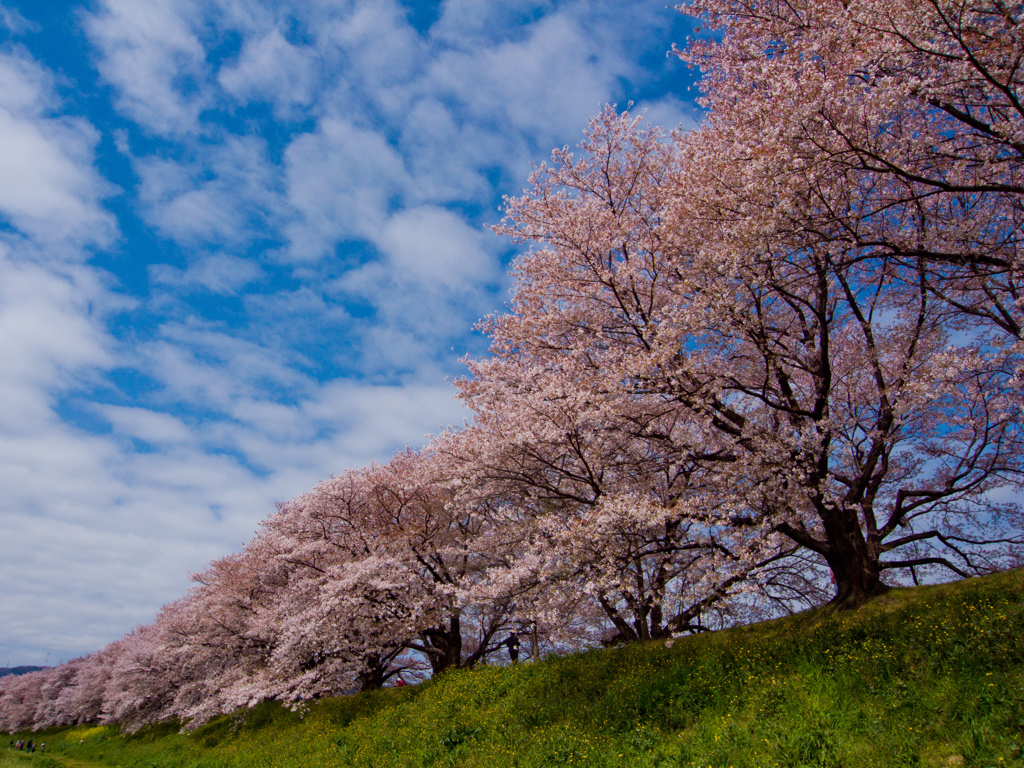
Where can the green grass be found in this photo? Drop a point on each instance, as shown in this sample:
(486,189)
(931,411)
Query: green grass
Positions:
(932,676)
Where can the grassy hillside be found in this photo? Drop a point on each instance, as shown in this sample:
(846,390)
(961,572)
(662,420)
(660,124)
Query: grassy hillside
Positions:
(924,677)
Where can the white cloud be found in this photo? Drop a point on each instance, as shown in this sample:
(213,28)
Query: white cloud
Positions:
(25,87)
(47,335)
(471,24)
(179,206)
(270,69)
(370,43)
(220,273)
(97,536)
(203,366)
(342,424)
(448,158)
(149,52)
(434,277)
(15,22)
(48,189)
(114,539)
(435,249)
(341,182)
(670,113)
(223,196)
(146,425)
(543,86)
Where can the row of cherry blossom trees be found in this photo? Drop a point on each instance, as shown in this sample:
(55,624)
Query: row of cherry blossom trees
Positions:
(751,367)
(407,568)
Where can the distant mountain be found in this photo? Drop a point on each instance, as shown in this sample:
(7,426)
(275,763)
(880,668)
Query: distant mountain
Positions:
(4,671)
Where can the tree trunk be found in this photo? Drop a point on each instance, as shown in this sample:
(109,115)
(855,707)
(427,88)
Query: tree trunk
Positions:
(854,564)
(446,645)
(372,676)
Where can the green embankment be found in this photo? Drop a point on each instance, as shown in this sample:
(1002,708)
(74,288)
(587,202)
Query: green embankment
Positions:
(921,677)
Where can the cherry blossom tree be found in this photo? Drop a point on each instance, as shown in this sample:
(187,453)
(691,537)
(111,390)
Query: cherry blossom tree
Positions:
(345,609)
(49,710)
(598,529)
(214,640)
(879,145)
(388,547)
(68,694)
(823,399)
(82,700)
(901,120)
(20,697)
(606,472)
(143,680)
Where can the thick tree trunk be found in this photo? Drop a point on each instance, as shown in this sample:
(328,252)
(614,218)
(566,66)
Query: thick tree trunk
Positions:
(372,677)
(855,566)
(446,645)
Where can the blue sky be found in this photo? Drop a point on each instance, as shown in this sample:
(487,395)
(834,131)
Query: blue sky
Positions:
(243,246)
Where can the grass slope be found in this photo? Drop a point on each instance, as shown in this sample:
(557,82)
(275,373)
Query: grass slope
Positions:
(932,676)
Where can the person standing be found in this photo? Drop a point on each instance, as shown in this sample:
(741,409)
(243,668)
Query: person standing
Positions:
(513,647)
